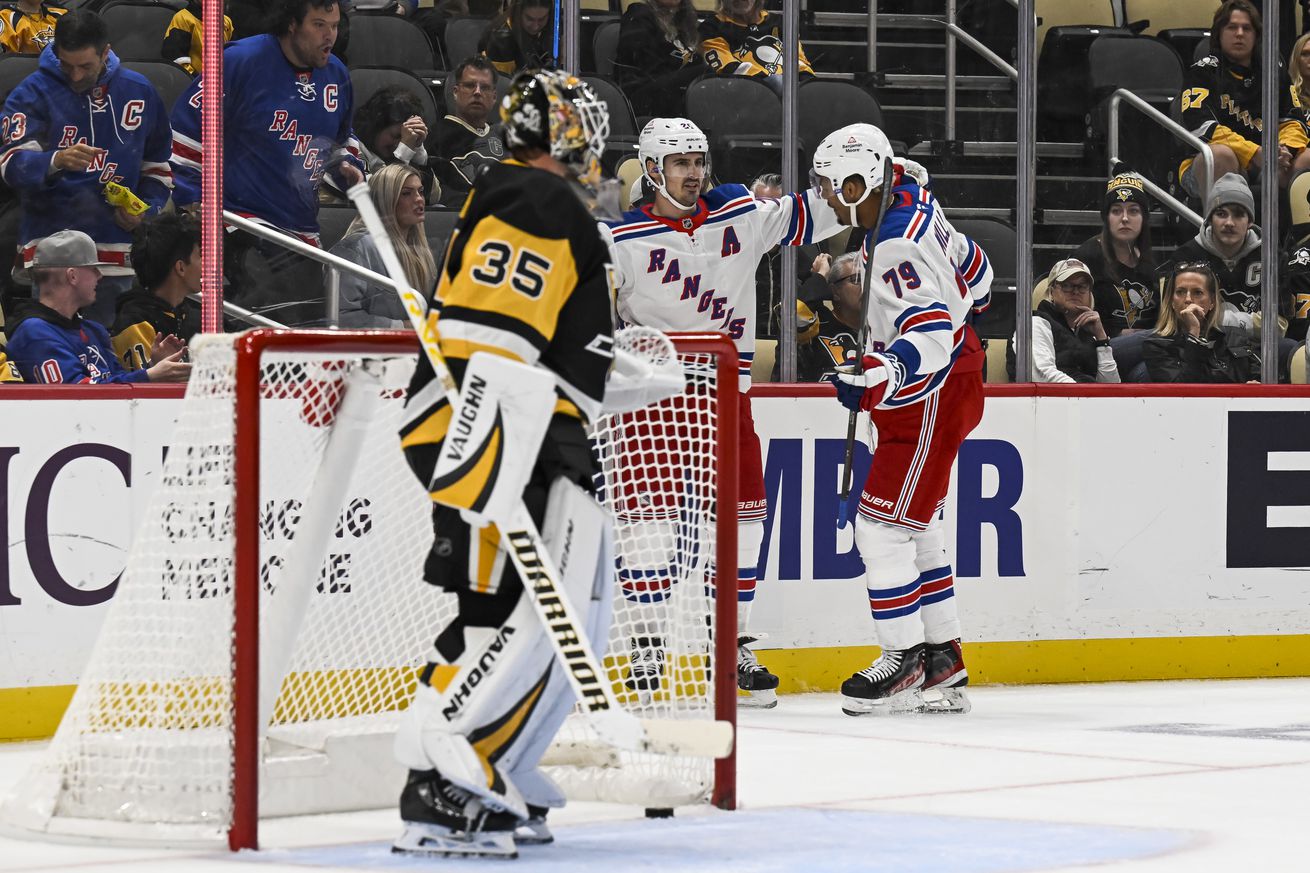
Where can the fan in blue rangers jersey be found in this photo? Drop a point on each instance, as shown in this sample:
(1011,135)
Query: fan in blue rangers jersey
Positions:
(921,383)
(287,110)
(687,263)
(81,121)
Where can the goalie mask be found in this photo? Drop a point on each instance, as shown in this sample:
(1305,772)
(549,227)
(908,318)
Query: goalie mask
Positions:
(662,137)
(560,114)
(855,150)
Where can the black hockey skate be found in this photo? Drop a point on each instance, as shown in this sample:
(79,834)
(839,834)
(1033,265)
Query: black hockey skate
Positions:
(442,820)
(645,666)
(889,684)
(760,685)
(944,678)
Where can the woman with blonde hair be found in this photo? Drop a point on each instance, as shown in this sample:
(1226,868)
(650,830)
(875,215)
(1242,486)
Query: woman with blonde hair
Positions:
(397,190)
(1188,344)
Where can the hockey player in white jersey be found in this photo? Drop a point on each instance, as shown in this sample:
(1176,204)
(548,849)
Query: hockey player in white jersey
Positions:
(687,263)
(921,383)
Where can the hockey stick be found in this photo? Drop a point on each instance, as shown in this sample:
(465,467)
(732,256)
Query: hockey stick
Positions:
(847,473)
(521,540)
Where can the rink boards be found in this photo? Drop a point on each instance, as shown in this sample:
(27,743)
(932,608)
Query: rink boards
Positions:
(1097,535)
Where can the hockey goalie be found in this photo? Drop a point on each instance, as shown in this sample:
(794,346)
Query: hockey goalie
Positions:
(523,312)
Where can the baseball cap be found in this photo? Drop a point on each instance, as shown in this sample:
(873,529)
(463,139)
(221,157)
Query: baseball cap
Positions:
(1067,269)
(67,248)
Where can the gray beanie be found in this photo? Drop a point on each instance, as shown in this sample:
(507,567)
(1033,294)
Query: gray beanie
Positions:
(1230,189)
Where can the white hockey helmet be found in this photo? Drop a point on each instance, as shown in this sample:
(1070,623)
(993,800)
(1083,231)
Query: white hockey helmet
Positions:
(854,150)
(662,137)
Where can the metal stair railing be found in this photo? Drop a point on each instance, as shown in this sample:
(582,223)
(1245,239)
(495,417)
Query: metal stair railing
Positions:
(1123,95)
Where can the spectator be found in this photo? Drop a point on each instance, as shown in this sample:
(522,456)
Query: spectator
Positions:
(1221,104)
(184,38)
(166,257)
(1188,344)
(1299,62)
(466,140)
(81,121)
(398,191)
(391,130)
(52,343)
(827,338)
(28,26)
(1120,259)
(658,55)
(520,39)
(8,369)
(286,120)
(1295,278)
(1069,341)
(1230,243)
(812,265)
(744,40)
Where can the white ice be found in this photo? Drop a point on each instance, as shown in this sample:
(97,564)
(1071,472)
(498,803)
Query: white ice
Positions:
(1172,776)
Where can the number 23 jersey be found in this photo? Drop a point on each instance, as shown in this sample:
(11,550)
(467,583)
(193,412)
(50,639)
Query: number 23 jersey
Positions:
(698,273)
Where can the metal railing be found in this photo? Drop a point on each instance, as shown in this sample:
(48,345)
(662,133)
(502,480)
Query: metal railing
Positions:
(335,264)
(1123,95)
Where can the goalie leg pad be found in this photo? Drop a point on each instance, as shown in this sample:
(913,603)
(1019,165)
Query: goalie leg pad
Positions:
(892,580)
(495,433)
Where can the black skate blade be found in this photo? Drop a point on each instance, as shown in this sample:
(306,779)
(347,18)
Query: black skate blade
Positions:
(435,841)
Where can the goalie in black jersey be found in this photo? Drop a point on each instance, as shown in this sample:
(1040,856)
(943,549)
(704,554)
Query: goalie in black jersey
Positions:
(525,318)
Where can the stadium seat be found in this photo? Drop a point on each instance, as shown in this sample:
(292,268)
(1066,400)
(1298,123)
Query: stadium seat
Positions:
(14,69)
(462,37)
(826,105)
(1297,365)
(1053,14)
(604,46)
(391,41)
(1168,15)
(995,372)
(743,120)
(1202,49)
(1039,291)
(627,173)
(332,223)
(997,240)
(367,81)
(1062,79)
(136,30)
(1185,41)
(1149,69)
(438,225)
(766,352)
(169,80)
(623,124)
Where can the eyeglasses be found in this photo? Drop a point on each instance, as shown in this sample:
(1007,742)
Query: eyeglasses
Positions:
(852,277)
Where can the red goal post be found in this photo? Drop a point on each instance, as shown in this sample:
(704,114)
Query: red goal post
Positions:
(272,609)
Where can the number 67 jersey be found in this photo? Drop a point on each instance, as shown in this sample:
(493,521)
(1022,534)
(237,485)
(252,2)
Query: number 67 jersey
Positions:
(697,273)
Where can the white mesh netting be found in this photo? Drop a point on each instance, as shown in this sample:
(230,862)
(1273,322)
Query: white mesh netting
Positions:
(145,749)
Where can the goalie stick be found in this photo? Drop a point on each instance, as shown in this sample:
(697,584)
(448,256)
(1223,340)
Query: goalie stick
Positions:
(522,542)
(843,502)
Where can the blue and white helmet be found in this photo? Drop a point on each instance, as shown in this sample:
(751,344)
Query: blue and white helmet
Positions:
(662,137)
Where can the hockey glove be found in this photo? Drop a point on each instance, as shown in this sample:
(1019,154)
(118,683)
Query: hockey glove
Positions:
(864,390)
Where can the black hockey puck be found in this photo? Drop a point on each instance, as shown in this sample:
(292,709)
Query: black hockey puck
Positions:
(659,813)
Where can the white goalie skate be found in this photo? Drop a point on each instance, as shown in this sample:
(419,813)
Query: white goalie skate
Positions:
(441,820)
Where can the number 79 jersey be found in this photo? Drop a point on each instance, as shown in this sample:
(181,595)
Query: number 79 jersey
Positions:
(698,273)
(927,278)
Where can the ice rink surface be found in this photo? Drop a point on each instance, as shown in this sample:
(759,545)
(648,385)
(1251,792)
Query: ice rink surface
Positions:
(1160,776)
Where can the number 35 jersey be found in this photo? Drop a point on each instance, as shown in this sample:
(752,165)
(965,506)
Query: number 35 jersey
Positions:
(698,273)
(526,276)
(926,280)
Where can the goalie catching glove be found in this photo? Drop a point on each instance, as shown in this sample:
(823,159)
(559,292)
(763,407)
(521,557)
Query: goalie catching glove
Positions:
(879,376)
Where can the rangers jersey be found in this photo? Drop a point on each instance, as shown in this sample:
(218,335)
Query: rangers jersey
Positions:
(281,125)
(123,116)
(927,280)
(698,273)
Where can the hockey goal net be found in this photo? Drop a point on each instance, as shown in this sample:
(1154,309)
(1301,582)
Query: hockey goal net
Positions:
(267,631)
